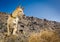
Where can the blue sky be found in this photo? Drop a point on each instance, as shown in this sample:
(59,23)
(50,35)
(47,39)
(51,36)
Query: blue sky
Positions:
(49,9)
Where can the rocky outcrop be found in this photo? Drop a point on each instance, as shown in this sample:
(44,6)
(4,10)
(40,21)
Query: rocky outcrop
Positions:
(26,26)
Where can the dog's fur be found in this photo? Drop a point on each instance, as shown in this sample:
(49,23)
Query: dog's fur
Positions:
(12,22)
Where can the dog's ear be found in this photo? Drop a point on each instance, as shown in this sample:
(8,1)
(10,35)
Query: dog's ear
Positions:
(22,8)
(18,7)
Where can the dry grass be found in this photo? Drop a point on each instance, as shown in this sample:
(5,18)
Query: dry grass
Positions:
(44,36)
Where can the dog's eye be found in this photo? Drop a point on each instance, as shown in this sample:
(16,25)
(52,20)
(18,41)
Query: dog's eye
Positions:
(20,11)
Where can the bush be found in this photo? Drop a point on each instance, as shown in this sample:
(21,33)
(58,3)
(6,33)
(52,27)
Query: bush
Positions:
(44,36)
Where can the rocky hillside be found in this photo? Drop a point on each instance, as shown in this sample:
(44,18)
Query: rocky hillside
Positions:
(26,26)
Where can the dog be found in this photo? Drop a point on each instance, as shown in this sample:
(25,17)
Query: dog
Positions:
(12,21)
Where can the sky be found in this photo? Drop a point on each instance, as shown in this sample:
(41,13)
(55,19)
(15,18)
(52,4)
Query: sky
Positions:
(45,9)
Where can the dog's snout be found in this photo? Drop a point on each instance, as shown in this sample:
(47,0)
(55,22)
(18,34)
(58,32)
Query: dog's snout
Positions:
(23,14)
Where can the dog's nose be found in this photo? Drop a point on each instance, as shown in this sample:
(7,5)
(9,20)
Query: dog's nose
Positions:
(23,14)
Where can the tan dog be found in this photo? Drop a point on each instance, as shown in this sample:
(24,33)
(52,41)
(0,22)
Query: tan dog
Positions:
(12,22)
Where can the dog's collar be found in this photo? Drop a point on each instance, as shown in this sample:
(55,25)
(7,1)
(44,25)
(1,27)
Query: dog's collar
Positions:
(12,16)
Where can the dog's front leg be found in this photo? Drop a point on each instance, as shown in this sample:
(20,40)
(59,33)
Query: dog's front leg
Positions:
(15,30)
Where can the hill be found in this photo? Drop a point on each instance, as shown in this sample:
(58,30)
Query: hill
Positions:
(26,26)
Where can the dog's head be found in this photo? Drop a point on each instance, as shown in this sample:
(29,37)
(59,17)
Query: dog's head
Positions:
(19,11)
